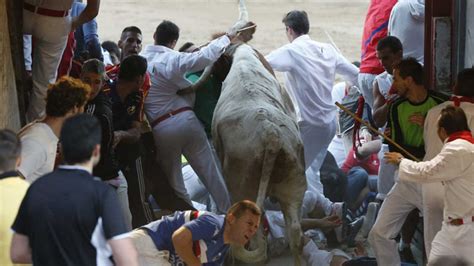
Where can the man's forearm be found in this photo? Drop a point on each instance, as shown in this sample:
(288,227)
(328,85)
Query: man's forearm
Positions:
(183,245)
(380,115)
(90,12)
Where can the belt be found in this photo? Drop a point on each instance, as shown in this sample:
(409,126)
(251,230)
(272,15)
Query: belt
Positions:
(45,11)
(461,221)
(168,115)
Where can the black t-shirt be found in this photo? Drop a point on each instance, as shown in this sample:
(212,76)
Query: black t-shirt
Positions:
(101,108)
(68,216)
(126,112)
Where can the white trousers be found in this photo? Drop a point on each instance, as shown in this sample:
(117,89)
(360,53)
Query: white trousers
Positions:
(454,241)
(433,205)
(148,254)
(386,175)
(400,201)
(184,134)
(122,194)
(50,37)
(366,84)
(316,141)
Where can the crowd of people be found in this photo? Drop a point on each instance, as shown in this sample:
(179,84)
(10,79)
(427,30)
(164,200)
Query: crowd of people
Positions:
(117,164)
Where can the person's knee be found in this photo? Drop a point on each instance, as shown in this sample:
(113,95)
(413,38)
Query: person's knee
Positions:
(374,235)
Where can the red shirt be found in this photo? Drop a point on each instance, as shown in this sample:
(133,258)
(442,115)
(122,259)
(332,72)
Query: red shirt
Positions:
(370,164)
(375,28)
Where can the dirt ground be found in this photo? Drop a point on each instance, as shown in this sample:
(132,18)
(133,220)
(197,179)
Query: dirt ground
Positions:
(198,19)
(342,20)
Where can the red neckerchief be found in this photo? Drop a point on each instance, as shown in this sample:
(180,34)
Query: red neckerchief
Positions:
(465,135)
(459,99)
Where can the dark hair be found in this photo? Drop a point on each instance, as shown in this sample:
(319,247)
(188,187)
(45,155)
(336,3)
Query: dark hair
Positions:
(238,209)
(66,94)
(465,83)
(391,42)
(409,67)
(453,119)
(132,67)
(298,21)
(185,46)
(93,66)
(10,150)
(111,47)
(133,29)
(166,33)
(79,136)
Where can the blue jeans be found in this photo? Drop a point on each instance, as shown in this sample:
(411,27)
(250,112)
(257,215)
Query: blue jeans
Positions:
(356,181)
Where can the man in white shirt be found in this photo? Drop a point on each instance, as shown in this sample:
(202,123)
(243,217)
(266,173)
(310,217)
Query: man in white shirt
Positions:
(454,167)
(175,126)
(310,69)
(407,23)
(39,139)
(432,193)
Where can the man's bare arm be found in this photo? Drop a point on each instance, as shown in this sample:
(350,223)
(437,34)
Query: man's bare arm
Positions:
(124,252)
(380,111)
(91,11)
(183,244)
(20,251)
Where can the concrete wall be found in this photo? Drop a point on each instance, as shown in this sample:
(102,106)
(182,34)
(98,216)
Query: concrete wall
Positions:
(9,114)
(469,54)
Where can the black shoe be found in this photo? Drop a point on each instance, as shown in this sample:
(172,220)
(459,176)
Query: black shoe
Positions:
(406,255)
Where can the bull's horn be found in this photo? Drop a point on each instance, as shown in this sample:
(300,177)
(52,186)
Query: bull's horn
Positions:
(243,13)
(251,256)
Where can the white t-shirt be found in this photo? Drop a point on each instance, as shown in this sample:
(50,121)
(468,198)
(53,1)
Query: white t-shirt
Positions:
(310,69)
(38,150)
(385,81)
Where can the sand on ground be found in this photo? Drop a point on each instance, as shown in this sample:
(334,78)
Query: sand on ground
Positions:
(198,20)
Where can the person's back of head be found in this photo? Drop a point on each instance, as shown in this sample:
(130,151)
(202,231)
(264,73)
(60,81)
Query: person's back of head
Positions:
(453,119)
(80,138)
(391,42)
(10,150)
(166,34)
(185,47)
(113,50)
(298,21)
(465,83)
(67,95)
(132,67)
(409,67)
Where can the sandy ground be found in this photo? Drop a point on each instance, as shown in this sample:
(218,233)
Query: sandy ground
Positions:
(342,20)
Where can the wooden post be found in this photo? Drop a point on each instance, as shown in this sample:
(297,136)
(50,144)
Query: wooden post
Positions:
(9,112)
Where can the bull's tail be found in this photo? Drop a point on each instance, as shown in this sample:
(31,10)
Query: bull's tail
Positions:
(272,147)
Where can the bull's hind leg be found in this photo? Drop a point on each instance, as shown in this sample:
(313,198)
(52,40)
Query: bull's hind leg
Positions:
(292,213)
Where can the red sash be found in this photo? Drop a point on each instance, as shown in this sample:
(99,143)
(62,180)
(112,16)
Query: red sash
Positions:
(459,99)
(465,135)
